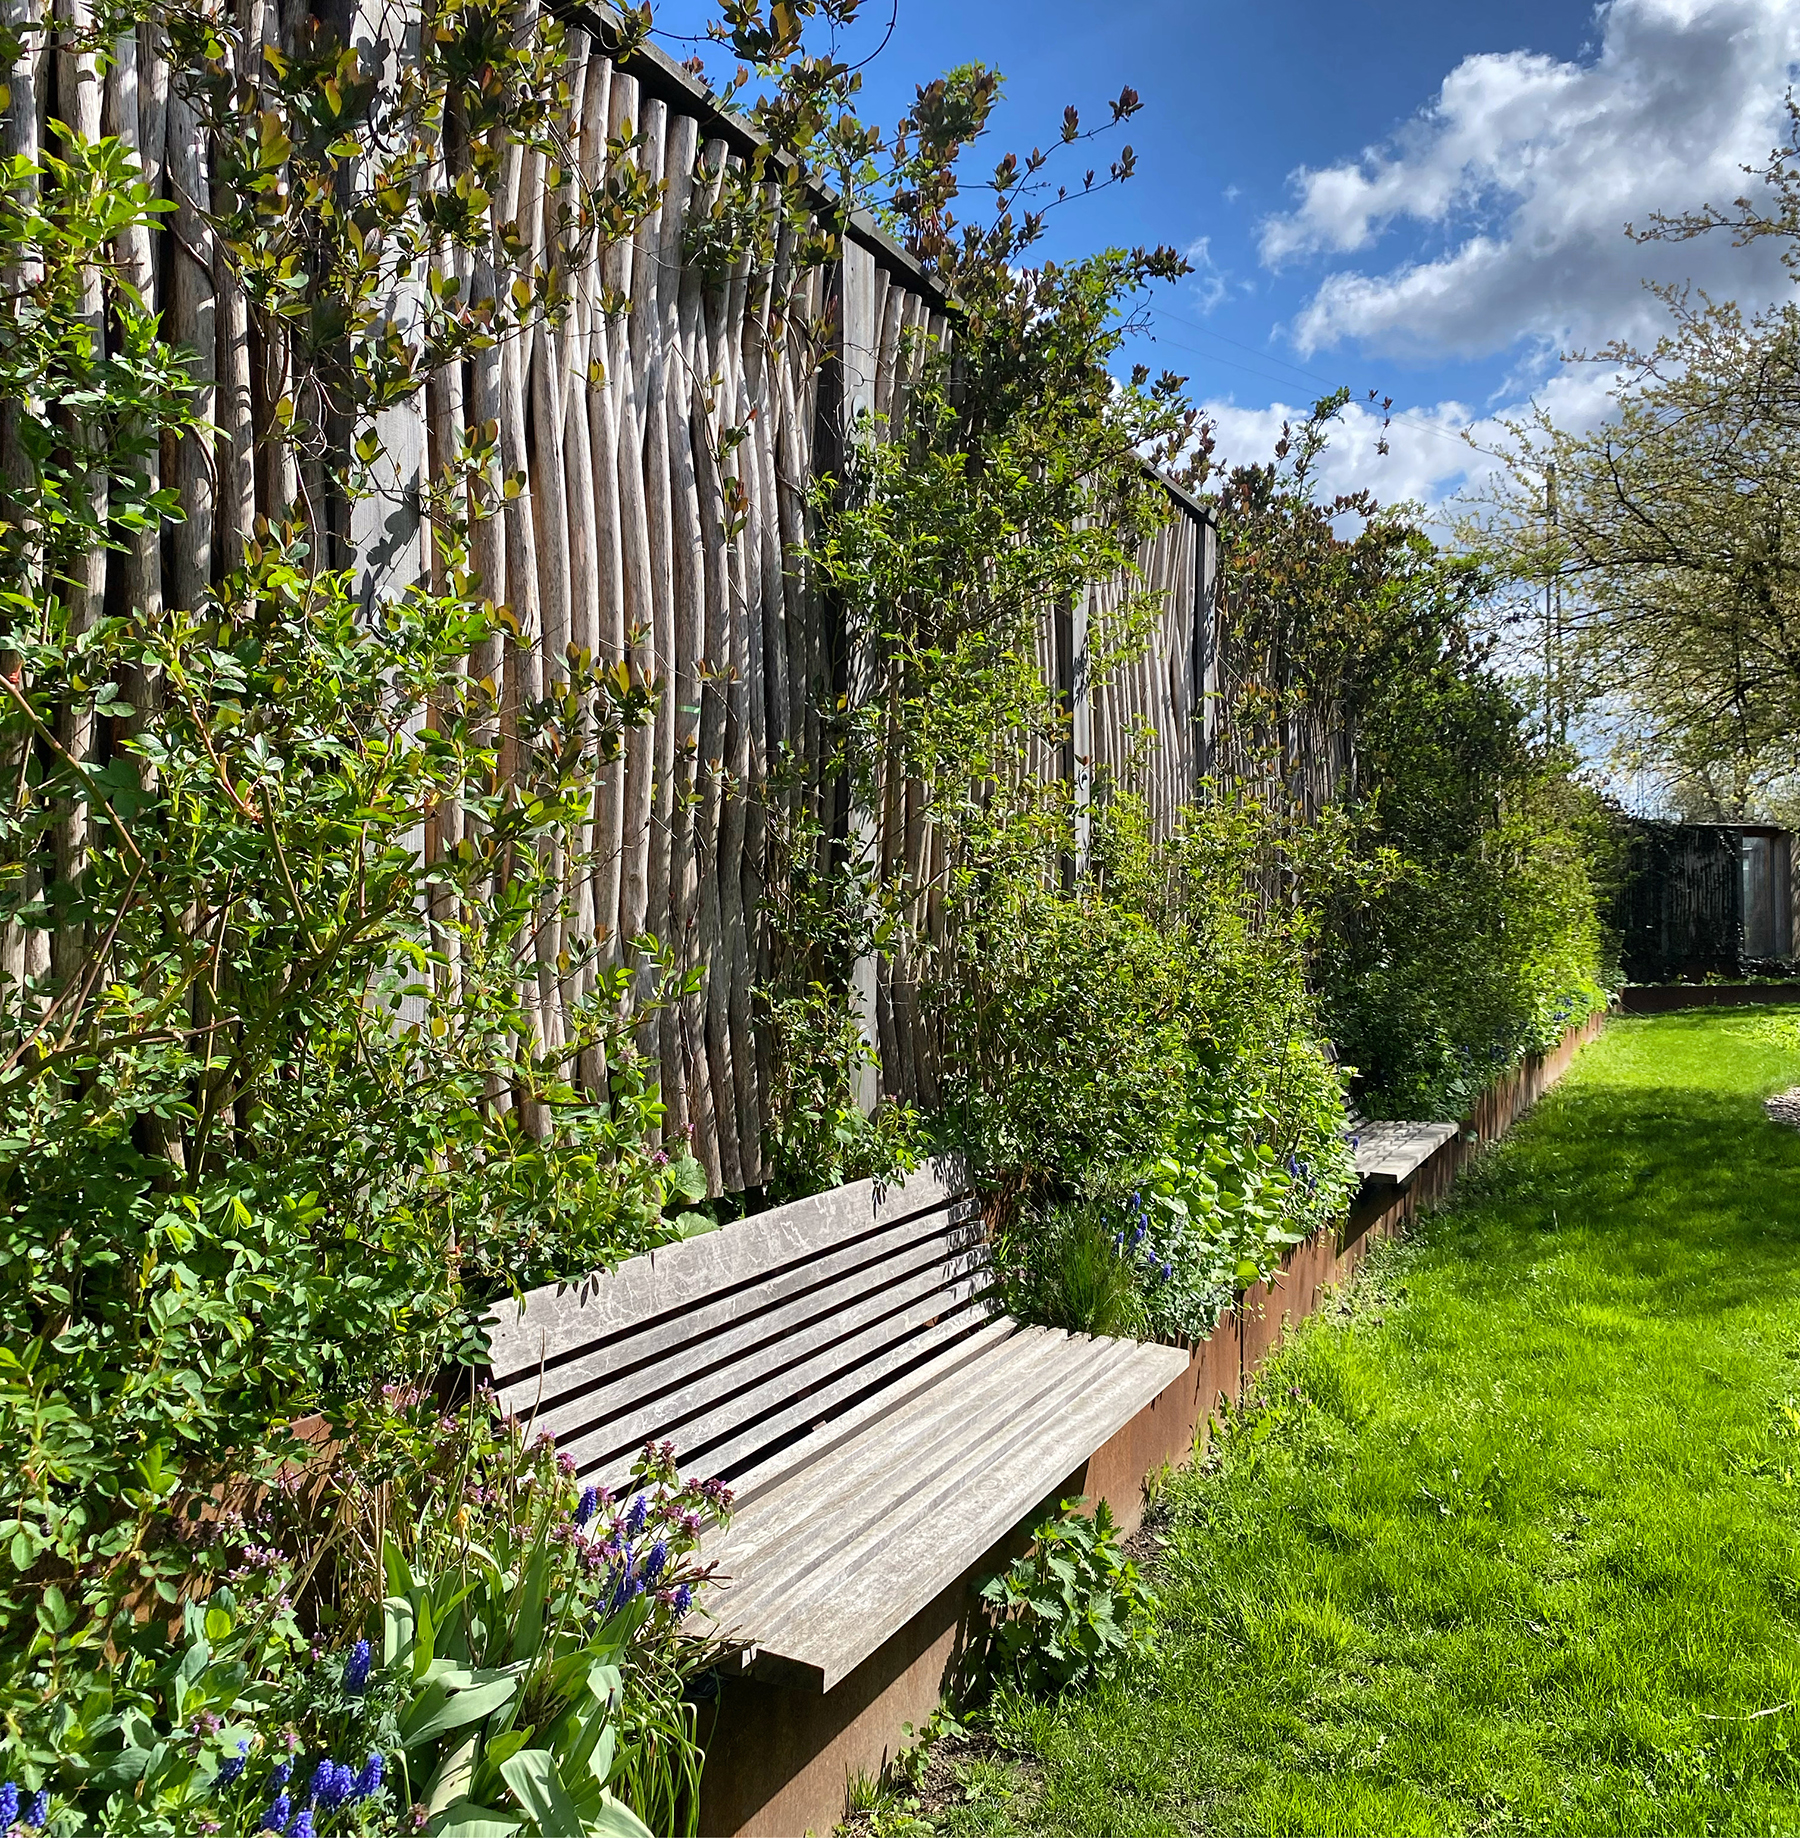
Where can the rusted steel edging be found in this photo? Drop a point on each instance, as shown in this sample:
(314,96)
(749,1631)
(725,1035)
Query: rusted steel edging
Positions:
(779,1758)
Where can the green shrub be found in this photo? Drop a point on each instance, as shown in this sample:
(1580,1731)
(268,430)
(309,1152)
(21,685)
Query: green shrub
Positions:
(1070,1609)
(1061,1266)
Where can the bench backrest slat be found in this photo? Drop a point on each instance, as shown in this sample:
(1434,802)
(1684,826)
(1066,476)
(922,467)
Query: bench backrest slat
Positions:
(729,1343)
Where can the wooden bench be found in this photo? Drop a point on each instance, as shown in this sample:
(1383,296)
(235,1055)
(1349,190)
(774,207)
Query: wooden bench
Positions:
(1389,1154)
(840,1364)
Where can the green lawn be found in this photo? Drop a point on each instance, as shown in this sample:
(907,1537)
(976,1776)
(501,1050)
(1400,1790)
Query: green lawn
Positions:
(1512,1541)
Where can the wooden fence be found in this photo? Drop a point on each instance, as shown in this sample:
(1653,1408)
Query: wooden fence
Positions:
(623,540)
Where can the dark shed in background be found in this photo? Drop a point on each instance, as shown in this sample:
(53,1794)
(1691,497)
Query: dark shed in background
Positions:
(1705,899)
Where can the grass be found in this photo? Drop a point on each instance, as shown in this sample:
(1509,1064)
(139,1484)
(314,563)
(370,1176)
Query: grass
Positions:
(1511,1541)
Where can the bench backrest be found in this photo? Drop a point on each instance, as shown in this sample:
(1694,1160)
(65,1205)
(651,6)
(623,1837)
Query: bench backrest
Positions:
(738,1343)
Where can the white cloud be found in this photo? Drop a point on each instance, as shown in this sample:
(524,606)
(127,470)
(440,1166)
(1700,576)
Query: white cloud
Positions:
(1435,454)
(1207,285)
(1528,169)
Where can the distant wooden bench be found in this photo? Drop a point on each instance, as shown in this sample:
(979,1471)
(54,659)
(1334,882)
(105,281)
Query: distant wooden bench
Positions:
(839,1363)
(1389,1154)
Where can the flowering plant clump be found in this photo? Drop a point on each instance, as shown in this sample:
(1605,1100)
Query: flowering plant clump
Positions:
(449,1618)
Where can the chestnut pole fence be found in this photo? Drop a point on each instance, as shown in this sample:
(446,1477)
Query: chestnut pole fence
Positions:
(640,535)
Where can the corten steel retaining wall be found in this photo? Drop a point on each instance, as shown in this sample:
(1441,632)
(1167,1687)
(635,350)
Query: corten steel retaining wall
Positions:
(779,1759)
(1662,998)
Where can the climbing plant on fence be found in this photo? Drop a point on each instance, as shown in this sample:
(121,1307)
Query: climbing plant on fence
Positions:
(1471,932)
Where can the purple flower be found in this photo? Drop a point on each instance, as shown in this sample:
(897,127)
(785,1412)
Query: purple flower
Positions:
(231,1767)
(1168,1270)
(369,1780)
(276,1818)
(278,1777)
(322,1777)
(303,1826)
(9,1806)
(1137,1237)
(338,1786)
(356,1668)
(38,1812)
(589,1503)
(636,1514)
(683,1599)
(653,1564)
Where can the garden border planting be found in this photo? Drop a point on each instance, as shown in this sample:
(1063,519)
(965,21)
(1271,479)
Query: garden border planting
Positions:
(911,1476)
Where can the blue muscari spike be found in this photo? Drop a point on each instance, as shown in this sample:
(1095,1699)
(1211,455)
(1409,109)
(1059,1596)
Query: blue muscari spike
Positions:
(589,1503)
(37,1814)
(9,1806)
(279,1777)
(636,1514)
(369,1780)
(276,1818)
(356,1668)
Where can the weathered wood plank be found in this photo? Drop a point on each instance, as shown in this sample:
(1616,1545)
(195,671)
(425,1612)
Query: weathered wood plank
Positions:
(698,1424)
(756,1348)
(944,1353)
(557,1319)
(924,1528)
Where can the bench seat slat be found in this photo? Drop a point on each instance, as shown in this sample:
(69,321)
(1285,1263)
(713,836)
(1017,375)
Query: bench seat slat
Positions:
(926,1503)
(864,1508)
(809,1520)
(1393,1151)
(1016,1455)
(754,1458)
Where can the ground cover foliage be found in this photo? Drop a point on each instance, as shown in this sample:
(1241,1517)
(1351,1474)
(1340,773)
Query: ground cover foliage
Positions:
(279,1108)
(1506,1543)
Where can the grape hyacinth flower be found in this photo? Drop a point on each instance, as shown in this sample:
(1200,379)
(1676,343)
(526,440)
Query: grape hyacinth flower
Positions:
(303,1826)
(322,1777)
(278,1777)
(37,1814)
(276,1818)
(368,1782)
(682,1600)
(587,1505)
(9,1806)
(340,1783)
(356,1668)
(231,1767)
(653,1564)
(636,1514)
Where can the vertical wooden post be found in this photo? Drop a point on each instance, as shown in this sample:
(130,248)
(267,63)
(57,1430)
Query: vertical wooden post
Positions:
(1206,653)
(857,357)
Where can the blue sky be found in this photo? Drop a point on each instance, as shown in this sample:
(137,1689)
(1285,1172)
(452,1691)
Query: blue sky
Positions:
(1425,199)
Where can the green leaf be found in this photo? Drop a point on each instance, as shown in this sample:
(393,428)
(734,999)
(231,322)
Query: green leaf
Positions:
(467,1820)
(617,1820)
(437,1711)
(532,1776)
